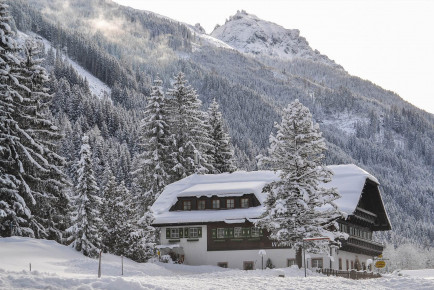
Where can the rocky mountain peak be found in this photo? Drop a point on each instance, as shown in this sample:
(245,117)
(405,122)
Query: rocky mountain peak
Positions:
(249,34)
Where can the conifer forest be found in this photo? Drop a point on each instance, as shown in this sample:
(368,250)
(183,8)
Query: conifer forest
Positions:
(82,164)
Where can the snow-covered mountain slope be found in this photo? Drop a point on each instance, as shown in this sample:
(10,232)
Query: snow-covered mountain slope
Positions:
(249,34)
(96,86)
(55,266)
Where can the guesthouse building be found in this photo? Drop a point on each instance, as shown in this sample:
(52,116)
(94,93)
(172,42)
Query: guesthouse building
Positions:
(209,220)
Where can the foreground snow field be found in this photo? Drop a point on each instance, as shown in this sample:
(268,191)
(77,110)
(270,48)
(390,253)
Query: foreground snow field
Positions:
(59,267)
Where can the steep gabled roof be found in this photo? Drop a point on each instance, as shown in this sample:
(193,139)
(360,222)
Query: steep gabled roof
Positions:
(348,179)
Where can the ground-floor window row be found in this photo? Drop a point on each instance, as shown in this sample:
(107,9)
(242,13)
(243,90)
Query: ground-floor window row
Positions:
(351,265)
(178,233)
(310,263)
(318,263)
(247,265)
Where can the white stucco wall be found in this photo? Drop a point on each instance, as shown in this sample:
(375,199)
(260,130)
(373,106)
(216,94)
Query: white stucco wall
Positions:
(350,257)
(195,253)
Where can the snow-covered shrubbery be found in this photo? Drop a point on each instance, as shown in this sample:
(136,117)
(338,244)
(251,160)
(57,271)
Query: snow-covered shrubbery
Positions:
(408,256)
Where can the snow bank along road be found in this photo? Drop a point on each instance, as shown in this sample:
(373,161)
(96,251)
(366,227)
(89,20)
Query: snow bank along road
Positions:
(59,267)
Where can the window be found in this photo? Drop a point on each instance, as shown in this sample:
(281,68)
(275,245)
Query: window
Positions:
(230,203)
(340,263)
(248,265)
(193,232)
(317,263)
(174,233)
(244,202)
(220,233)
(215,203)
(255,232)
(187,205)
(348,266)
(200,204)
(237,232)
(222,264)
(352,265)
(291,262)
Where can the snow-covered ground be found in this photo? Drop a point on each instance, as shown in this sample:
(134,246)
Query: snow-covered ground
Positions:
(59,267)
(96,86)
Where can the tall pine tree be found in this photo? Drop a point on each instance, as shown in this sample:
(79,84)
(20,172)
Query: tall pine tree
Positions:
(86,223)
(155,162)
(188,123)
(50,212)
(115,215)
(297,206)
(31,176)
(141,240)
(15,194)
(222,154)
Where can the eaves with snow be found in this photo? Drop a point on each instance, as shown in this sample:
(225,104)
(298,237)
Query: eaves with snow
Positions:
(358,190)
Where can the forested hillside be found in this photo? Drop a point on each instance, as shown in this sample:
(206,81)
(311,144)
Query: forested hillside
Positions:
(127,49)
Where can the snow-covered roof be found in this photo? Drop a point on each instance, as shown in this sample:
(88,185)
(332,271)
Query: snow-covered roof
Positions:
(348,179)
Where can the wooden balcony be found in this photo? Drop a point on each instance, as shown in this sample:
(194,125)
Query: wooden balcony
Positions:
(362,246)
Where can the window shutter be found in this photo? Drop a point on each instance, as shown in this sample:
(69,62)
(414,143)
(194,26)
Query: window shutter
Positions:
(186,232)
(167,233)
(181,233)
(199,232)
(231,232)
(226,233)
(214,233)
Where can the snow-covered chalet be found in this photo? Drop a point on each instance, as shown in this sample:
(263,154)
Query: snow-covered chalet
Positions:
(209,220)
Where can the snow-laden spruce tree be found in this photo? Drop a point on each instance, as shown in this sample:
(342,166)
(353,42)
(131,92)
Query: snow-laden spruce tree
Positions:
(116,215)
(297,206)
(141,240)
(14,194)
(153,166)
(108,208)
(86,221)
(222,154)
(31,179)
(188,125)
(50,213)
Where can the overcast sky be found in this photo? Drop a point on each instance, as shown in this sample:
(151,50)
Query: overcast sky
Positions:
(389,42)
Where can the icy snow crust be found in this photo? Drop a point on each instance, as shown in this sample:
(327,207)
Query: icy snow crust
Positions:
(60,267)
(348,179)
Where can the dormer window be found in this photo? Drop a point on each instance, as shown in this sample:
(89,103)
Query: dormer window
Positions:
(244,202)
(200,204)
(215,203)
(230,203)
(187,205)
